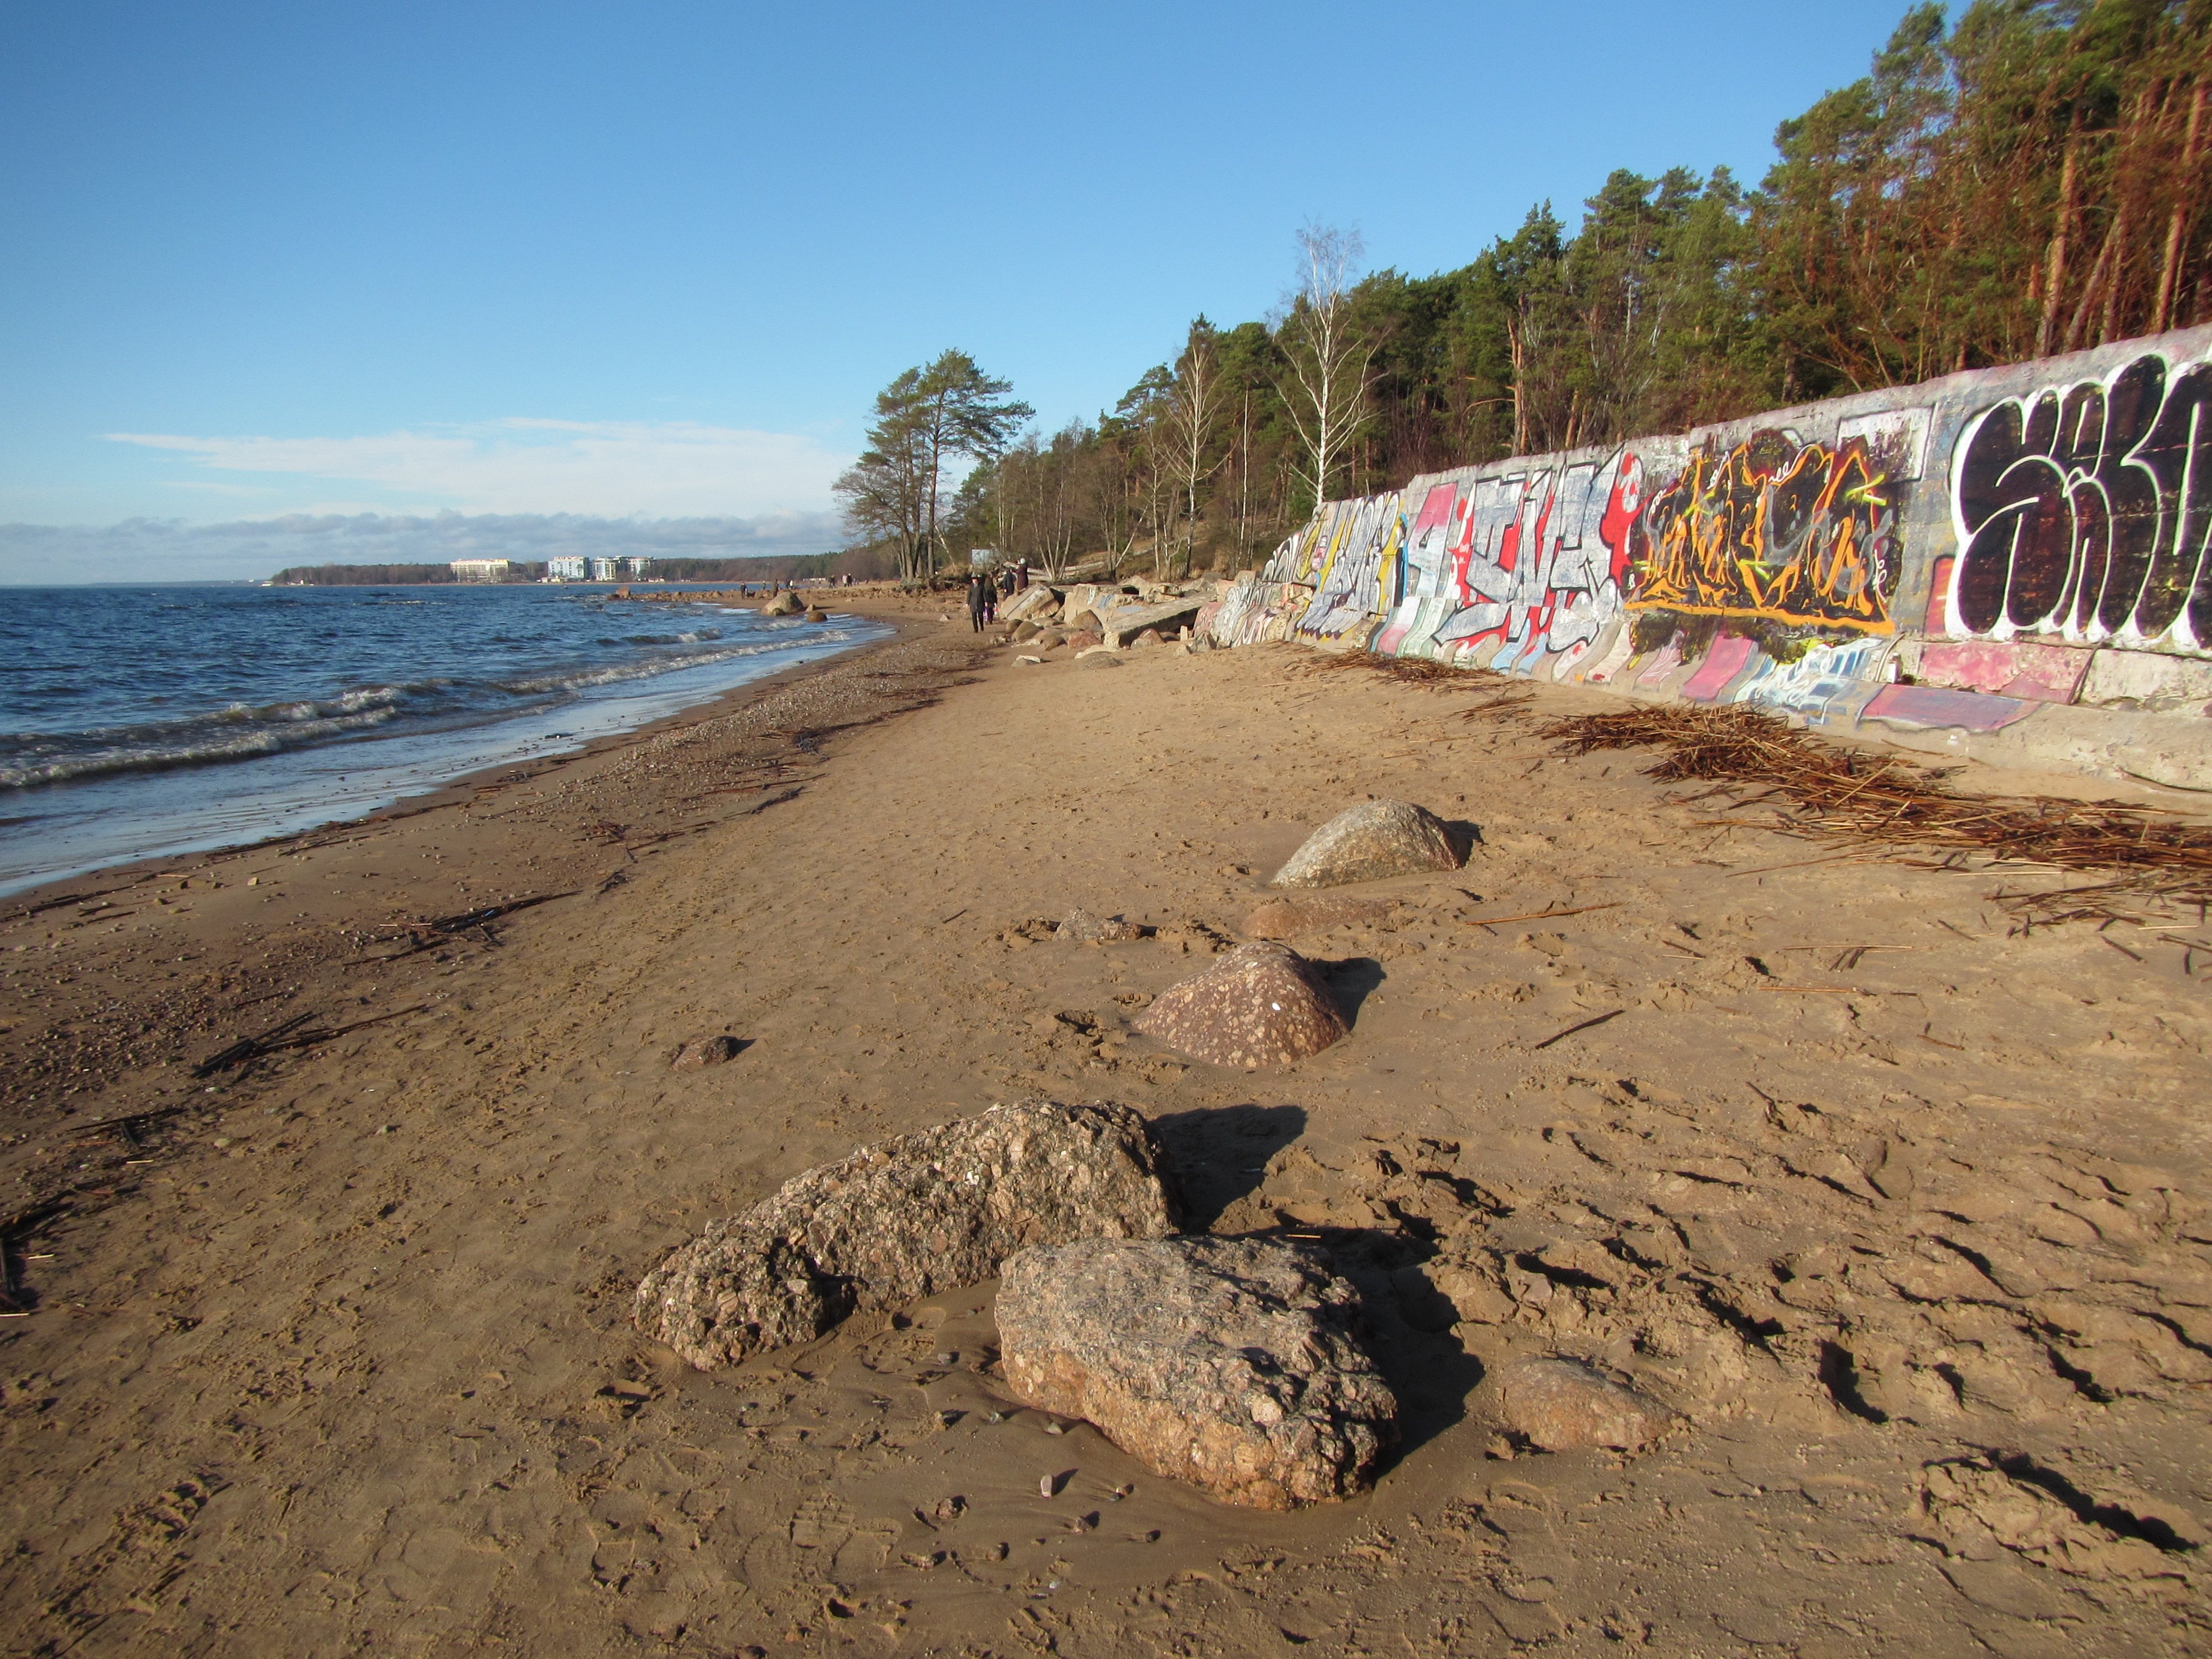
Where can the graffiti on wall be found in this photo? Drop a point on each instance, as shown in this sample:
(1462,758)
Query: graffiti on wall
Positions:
(2085,510)
(1358,572)
(1526,561)
(1777,528)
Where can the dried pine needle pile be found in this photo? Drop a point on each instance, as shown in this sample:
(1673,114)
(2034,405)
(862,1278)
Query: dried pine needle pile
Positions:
(1854,797)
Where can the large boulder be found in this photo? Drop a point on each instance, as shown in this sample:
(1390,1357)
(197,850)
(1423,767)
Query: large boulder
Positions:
(785,603)
(917,1214)
(1260,1005)
(1233,1363)
(1558,1404)
(1369,842)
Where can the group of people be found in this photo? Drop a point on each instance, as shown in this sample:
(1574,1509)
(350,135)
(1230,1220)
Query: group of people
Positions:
(986,589)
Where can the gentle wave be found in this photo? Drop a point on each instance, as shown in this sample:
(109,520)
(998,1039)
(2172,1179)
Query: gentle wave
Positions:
(240,732)
(243,746)
(617,673)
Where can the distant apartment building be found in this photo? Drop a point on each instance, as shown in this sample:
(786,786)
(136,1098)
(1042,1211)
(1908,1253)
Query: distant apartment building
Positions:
(481,570)
(568,568)
(607,570)
(635,565)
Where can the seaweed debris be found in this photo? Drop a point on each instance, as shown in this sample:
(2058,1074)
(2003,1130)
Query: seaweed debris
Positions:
(1412,671)
(1864,800)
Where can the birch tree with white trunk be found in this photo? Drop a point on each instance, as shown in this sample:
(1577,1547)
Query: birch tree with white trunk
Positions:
(1192,410)
(1331,361)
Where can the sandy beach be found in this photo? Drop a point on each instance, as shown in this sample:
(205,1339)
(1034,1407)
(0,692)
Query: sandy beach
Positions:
(1903,1210)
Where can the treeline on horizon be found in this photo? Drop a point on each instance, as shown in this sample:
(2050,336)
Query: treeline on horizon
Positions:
(862,564)
(2025,181)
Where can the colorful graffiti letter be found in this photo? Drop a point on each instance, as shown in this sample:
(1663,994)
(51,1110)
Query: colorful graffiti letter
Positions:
(2084,510)
(1797,533)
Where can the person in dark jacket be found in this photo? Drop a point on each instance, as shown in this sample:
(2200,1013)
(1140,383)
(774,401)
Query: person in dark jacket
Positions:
(976,604)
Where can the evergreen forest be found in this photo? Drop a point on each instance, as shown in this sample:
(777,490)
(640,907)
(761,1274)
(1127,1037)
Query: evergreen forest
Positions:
(2022,179)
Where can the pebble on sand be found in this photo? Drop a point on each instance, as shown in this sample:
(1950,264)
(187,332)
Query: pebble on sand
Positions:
(1558,1404)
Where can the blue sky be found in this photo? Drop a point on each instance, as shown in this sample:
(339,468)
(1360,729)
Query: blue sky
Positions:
(656,259)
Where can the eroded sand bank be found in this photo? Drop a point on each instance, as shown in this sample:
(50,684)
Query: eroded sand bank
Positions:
(337,1358)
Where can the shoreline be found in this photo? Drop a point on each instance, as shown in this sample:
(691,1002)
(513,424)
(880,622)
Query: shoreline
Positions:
(348,1314)
(48,894)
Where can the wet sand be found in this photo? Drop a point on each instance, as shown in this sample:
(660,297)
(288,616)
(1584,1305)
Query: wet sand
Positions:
(332,1355)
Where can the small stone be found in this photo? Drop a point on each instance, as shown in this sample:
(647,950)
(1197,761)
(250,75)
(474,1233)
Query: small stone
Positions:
(705,1052)
(1261,1005)
(1098,659)
(1368,843)
(1081,928)
(1149,637)
(1233,1363)
(815,613)
(1288,917)
(916,1215)
(1081,638)
(1561,1403)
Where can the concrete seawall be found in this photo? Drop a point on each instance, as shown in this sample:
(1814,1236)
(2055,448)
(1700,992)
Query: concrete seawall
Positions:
(2013,565)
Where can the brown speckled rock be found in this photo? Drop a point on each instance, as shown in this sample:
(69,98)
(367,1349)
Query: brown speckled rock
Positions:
(1288,917)
(917,1214)
(1560,1403)
(1233,1363)
(1260,1005)
(1081,928)
(1367,843)
(706,1051)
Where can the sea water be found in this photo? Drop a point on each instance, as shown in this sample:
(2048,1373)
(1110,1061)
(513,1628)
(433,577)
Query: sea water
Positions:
(144,722)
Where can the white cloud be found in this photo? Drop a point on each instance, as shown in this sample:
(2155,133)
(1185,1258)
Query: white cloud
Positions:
(530,465)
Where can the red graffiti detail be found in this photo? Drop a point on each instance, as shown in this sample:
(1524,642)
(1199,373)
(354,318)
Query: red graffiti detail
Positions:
(1620,510)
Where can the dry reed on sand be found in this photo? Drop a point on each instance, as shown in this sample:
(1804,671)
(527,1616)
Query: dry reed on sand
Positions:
(1854,797)
(1412,671)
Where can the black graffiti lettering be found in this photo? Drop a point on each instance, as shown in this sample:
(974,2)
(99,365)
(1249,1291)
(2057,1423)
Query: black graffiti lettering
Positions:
(2088,509)
(2176,454)
(2130,498)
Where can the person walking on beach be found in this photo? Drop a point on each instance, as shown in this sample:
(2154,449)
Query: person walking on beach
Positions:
(976,604)
(1022,577)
